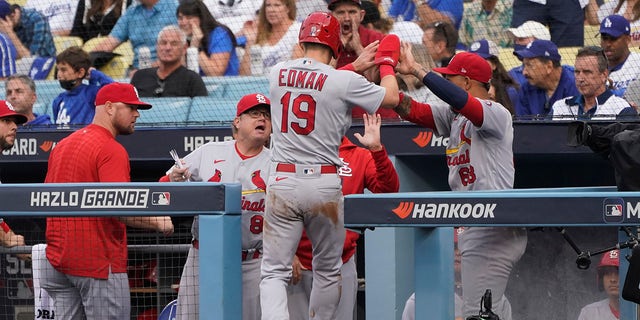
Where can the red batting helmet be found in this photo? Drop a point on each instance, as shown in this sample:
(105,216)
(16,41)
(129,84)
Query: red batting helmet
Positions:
(609,259)
(323,28)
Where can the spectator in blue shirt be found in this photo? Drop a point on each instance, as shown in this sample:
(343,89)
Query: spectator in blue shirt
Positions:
(214,41)
(141,24)
(28,29)
(21,93)
(77,104)
(8,56)
(547,80)
(428,11)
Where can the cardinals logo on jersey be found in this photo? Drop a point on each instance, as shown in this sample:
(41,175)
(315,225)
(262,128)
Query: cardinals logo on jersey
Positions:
(217,176)
(258,181)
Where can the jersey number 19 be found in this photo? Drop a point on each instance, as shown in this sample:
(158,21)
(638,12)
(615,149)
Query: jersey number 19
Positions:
(303,107)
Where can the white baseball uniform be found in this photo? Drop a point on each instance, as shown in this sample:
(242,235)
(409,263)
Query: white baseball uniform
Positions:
(221,162)
(597,311)
(310,112)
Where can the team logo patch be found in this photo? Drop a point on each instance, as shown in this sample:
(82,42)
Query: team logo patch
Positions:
(613,209)
(161,198)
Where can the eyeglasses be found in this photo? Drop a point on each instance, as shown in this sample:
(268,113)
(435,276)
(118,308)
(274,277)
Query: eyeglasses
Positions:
(442,26)
(160,89)
(255,113)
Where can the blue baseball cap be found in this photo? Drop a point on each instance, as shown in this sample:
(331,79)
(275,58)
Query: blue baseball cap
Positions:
(539,49)
(615,26)
(484,48)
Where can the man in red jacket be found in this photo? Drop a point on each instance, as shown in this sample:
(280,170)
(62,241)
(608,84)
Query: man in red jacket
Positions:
(362,168)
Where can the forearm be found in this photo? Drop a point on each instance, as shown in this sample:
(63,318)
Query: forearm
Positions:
(214,65)
(245,62)
(108,44)
(390,99)
(386,176)
(21,50)
(428,15)
(161,224)
(460,100)
(416,112)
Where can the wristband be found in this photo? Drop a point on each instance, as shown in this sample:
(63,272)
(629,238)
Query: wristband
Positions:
(348,67)
(386,70)
(5,227)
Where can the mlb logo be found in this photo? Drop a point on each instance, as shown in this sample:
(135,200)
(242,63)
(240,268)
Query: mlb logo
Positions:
(161,198)
(613,210)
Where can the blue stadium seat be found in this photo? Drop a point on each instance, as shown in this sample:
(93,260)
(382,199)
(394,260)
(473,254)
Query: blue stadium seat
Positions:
(166,111)
(47,90)
(212,109)
(234,88)
(40,108)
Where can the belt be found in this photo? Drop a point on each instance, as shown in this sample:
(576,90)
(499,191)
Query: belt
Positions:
(250,254)
(290,167)
(246,254)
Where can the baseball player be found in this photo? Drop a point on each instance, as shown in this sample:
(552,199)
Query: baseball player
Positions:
(9,122)
(85,271)
(245,161)
(304,191)
(479,157)
(608,281)
(370,168)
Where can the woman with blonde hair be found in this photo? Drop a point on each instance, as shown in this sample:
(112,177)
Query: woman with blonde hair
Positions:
(272,39)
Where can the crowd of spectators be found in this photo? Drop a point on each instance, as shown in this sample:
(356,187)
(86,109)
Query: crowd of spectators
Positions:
(531,45)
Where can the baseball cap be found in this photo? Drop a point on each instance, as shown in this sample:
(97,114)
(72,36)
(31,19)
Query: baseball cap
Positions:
(615,26)
(5,9)
(120,92)
(539,49)
(469,65)
(531,29)
(371,12)
(484,48)
(334,3)
(252,100)
(7,110)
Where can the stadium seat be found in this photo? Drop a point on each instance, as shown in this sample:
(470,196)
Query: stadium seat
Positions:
(40,108)
(508,59)
(568,55)
(234,88)
(166,111)
(118,66)
(46,91)
(591,37)
(211,109)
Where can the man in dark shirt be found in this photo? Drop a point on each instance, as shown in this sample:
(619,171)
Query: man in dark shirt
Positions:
(170,78)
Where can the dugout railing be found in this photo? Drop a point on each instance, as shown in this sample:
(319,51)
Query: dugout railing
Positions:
(432,214)
(217,204)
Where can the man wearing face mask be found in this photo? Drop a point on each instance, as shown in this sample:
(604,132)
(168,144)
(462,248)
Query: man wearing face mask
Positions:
(76,104)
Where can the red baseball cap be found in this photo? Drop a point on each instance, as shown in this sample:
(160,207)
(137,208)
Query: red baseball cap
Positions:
(469,65)
(334,3)
(252,100)
(120,92)
(7,110)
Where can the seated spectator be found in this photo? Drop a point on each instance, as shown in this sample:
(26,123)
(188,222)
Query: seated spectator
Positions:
(170,78)
(521,37)
(272,39)
(503,88)
(141,24)
(96,18)
(59,13)
(428,11)
(609,282)
(547,80)
(564,18)
(630,10)
(215,43)
(21,93)
(622,63)
(441,38)
(28,29)
(486,19)
(76,105)
(595,100)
